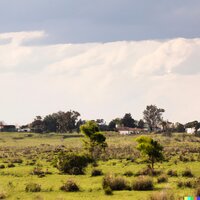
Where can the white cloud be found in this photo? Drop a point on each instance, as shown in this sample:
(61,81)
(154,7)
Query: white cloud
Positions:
(98,79)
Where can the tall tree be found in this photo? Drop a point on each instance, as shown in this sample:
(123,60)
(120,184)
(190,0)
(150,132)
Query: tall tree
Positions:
(150,148)
(37,126)
(128,121)
(94,141)
(153,116)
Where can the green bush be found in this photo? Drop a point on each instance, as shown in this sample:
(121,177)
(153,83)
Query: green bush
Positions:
(33,187)
(162,178)
(187,173)
(115,182)
(143,183)
(70,186)
(2,166)
(172,172)
(108,191)
(128,173)
(188,183)
(72,163)
(96,172)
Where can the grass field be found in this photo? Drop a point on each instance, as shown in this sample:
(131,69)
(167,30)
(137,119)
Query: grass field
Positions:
(21,152)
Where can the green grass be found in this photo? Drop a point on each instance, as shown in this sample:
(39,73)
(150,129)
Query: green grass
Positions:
(42,147)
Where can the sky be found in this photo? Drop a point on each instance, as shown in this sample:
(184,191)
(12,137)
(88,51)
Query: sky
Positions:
(101,58)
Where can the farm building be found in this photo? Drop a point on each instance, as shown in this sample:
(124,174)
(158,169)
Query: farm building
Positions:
(8,128)
(128,131)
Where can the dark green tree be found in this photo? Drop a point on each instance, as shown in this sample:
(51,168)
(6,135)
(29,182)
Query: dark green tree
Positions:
(37,126)
(128,121)
(153,116)
(150,148)
(94,141)
(140,124)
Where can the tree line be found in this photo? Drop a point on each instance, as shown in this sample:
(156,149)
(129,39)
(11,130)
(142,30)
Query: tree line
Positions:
(70,121)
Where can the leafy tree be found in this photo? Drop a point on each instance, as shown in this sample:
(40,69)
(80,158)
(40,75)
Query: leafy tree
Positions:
(37,126)
(150,148)
(50,123)
(94,141)
(112,125)
(153,116)
(128,121)
(140,124)
(180,128)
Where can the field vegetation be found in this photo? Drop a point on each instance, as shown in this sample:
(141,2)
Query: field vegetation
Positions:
(29,168)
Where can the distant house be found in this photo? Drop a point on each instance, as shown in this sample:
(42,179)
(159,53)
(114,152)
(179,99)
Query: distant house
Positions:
(24,128)
(191,130)
(8,128)
(129,131)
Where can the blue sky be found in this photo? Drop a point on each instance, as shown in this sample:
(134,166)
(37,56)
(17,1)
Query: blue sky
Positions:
(102,58)
(78,21)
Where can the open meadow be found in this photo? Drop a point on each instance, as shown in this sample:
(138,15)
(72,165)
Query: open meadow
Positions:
(28,158)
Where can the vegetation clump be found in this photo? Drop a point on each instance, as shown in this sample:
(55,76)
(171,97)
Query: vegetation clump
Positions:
(72,163)
(172,172)
(33,187)
(163,195)
(108,191)
(96,172)
(143,183)
(70,186)
(187,173)
(115,182)
(162,178)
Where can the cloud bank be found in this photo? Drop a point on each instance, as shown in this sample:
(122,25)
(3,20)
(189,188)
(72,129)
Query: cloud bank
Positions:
(100,80)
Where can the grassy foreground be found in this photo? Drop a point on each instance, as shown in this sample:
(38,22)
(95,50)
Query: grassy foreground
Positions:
(20,153)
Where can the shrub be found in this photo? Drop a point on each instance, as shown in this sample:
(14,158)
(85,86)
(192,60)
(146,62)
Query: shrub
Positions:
(70,186)
(96,172)
(108,191)
(162,178)
(38,171)
(10,165)
(172,172)
(128,173)
(72,163)
(189,184)
(148,171)
(142,183)
(115,182)
(187,173)
(2,166)
(163,195)
(33,187)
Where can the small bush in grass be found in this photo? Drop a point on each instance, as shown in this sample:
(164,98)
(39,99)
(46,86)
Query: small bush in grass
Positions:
(70,186)
(33,187)
(115,182)
(143,183)
(72,163)
(2,166)
(96,172)
(108,191)
(128,173)
(189,184)
(187,173)
(163,195)
(10,165)
(172,172)
(162,178)
(148,171)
